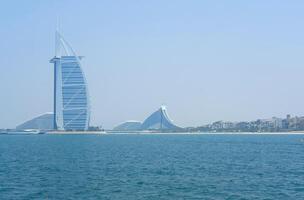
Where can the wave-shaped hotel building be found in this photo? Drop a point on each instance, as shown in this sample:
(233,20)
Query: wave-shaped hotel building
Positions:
(157,121)
(71,98)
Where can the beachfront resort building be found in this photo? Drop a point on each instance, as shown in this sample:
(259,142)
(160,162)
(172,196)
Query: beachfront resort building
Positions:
(41,122)
(159,120)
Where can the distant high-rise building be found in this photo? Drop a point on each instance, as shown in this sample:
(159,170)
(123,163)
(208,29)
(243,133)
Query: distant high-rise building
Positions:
(71,99)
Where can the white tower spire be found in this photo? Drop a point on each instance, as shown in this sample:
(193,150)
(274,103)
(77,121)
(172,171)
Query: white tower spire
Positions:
(57,40)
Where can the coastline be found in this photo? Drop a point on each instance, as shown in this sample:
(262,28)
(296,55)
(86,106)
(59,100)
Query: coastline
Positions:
(206,133)
(147,133)
(75,132)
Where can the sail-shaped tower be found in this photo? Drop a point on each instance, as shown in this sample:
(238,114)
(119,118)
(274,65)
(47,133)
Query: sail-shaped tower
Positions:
(71,98)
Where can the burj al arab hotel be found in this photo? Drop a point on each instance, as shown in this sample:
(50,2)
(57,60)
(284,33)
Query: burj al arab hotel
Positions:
(71,98)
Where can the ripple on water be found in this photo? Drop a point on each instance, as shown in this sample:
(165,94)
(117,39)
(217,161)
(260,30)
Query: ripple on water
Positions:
(152,167)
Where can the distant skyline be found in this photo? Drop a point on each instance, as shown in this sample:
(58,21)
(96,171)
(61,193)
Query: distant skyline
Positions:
(205,60)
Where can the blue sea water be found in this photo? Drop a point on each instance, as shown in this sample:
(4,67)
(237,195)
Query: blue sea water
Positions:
(152,167)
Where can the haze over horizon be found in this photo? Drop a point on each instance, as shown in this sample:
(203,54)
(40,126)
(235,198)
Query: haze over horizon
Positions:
(205,60)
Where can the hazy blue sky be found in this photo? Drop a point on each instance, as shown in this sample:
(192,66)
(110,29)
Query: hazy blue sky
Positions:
(206,60)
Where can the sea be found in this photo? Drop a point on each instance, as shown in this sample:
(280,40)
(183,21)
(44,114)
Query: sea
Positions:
(162,166)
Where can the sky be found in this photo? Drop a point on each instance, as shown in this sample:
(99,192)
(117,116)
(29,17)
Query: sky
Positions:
(205,60)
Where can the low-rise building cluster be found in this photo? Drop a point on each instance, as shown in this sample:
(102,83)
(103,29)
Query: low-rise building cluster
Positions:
(273,124)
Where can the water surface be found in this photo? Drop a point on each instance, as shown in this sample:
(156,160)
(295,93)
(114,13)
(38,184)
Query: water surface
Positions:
(152,167)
